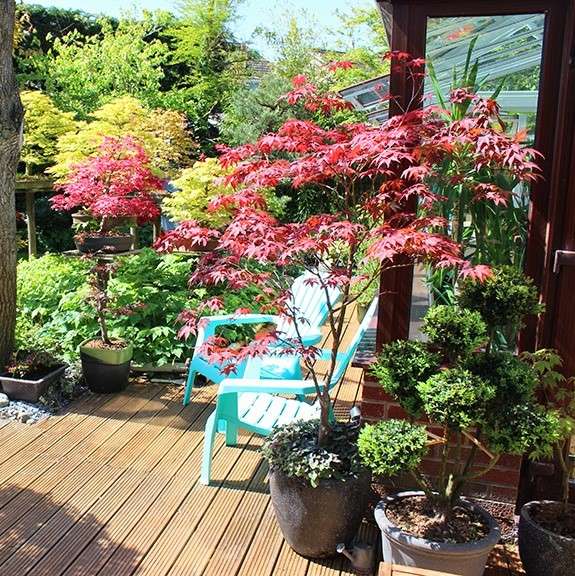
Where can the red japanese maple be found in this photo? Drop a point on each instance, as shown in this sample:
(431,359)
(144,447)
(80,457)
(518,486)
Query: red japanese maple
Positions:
(370,174)
(116,182)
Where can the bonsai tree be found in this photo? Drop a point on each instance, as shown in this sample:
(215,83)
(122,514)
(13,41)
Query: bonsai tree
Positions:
(116,183)
(457,380)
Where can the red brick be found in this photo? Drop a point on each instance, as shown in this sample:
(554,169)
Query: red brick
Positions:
(373,393)
(372,412)
(396,411)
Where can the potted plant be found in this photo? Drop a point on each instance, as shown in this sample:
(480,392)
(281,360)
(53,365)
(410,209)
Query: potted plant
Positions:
(105,360)
(479,396)
(318,487)
(547,528)
(29,373)
(111,192)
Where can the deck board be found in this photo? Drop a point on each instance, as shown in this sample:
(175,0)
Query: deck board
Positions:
(110,487)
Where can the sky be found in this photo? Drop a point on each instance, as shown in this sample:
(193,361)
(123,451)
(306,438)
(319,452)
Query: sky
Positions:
(253,13)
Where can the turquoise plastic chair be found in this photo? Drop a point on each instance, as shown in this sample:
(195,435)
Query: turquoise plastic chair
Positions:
(311,302)
(252,403)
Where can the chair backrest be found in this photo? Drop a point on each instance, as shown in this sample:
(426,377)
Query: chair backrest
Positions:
(346,357)
(311,303)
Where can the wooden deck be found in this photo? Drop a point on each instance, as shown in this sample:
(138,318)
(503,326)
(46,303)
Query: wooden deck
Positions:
(110,487)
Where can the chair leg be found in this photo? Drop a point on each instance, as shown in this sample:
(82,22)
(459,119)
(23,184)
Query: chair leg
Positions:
(189,385)
(231,433)
(209,437)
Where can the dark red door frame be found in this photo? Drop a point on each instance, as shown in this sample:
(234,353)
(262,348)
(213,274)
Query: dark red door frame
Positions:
(409,35)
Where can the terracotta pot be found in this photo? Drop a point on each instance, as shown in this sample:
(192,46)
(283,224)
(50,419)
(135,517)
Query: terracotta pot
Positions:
(543,552)
(402,548)
(315,520)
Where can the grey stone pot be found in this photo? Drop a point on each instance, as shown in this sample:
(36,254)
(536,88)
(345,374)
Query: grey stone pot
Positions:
(543,552)
(315,520)
(401,548)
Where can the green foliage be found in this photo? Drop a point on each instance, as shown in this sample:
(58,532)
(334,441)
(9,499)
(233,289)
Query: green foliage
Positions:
(400,367)
(293,449)
(255,110)
(198,186)
(83,73)
(44,124)
(523,429)
(53,313)
(163,133)
(556,393)
(454,331)
(502,300)
(212,63)
(391,447)
(456,398)
(513,379)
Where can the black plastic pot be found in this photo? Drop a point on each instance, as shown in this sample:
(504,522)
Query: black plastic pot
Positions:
(26,389)
(105,244)
(106,371)
(544,553)
(315,520)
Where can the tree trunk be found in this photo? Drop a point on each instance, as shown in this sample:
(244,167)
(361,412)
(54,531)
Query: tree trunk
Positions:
(11,116)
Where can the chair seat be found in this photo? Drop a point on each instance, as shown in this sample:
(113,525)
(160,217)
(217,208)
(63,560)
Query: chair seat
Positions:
(260,412)
(280,367)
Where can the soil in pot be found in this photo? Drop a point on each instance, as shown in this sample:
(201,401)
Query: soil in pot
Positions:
(416,517)
(547,539)
(315,520)
(411,536)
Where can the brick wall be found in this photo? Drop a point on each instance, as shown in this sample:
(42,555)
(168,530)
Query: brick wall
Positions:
(499,485)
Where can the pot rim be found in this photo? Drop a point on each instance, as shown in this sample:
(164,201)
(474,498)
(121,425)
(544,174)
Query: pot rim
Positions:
(57,370)
(393,532)
(92,338)
(362,477)
(527,516)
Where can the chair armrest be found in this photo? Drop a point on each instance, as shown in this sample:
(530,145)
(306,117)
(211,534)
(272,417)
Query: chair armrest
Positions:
(326,354)
(237,319)
(298,387)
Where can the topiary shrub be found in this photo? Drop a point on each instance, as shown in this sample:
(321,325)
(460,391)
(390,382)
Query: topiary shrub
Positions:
(392,446)
(503,300)
(456,332)
(455,398)
(476,394)
(400,367)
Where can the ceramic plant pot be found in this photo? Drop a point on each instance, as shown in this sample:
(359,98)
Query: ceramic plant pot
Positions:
(104,244)
(315,520)
(402,548)
(543,552)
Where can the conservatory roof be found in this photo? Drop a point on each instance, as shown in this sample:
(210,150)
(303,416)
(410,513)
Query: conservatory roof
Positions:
(506,45)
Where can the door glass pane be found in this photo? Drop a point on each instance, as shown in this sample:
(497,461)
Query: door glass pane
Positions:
(489,56)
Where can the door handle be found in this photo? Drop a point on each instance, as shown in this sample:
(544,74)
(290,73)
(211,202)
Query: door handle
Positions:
(563,258)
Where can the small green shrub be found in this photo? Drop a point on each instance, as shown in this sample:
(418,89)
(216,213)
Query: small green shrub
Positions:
(293,449)
(455,331)
(455,398)
(392,446)
(502,300)
(400,367)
